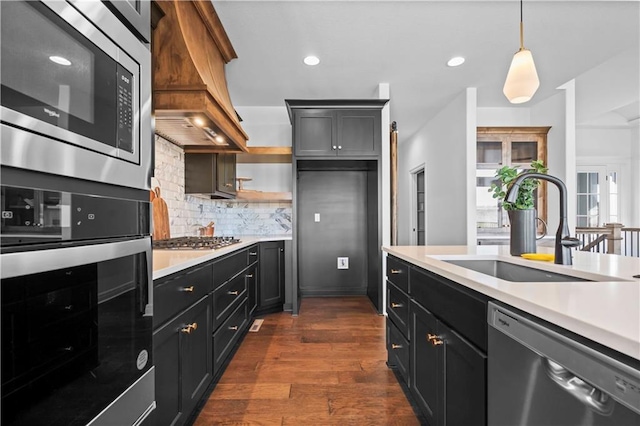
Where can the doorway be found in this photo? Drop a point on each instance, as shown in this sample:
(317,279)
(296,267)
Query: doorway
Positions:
(418,207)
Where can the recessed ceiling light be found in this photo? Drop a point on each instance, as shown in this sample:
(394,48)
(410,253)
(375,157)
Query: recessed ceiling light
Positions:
(455,61)
(60,60)
(311,60)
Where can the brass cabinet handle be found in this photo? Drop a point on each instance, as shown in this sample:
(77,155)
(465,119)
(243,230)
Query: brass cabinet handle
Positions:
(233,293)
(339,147)
(228,185)
(189,328)
(396,271)
(434,339)
(188,289)
(334,147)
(394,346)
(233,327)
(253,253)
(397,305)
(249,276)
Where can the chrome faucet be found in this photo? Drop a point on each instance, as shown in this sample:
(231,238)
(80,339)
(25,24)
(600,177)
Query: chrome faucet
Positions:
(564,241)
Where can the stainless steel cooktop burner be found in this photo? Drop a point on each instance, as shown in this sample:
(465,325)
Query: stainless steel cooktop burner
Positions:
(194,243)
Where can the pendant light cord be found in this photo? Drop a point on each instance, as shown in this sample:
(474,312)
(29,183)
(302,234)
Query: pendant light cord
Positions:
(521,29)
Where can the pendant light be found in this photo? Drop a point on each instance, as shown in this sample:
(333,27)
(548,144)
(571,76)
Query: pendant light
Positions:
(522,78)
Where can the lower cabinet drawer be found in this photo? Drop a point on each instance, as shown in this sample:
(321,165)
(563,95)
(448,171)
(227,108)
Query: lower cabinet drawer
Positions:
(397,351)
(227,297)
(398,308)
(226,336)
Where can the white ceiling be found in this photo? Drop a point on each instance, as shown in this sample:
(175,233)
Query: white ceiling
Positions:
(407,44)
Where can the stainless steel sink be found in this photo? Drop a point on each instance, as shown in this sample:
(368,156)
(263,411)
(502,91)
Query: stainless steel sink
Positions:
(512,272)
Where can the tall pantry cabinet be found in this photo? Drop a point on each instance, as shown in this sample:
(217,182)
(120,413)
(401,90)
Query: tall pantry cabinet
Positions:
(337,191)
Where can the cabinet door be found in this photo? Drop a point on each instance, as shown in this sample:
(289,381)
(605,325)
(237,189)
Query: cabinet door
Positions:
(271,274)
(182,354)
(425,361)
(196,353)
(358,132)
(251,278)
(465,369)
(227,173)
(314,133)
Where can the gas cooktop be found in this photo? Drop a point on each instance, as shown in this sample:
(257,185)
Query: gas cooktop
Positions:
(194,243)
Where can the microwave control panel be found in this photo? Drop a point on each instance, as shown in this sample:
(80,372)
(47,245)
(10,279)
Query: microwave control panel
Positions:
(125,109)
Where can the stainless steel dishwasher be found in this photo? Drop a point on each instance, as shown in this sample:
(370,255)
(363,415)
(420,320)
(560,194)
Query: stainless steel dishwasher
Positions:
(538,375)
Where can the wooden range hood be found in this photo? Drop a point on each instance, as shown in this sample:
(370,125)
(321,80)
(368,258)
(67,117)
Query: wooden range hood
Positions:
(190,97)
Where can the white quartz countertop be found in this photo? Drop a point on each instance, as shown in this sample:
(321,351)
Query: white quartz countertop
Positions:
(606,311)
(167,262)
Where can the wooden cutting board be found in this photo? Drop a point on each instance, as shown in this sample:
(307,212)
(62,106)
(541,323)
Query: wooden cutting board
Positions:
(160,216)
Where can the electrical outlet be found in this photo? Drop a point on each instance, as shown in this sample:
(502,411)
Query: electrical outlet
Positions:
(343,263)
(316,217)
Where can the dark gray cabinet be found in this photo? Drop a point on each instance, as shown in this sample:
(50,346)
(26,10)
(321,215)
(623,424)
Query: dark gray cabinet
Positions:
(447,341)
(271,276)
(330,133)
(210,174)
(251,278)
(182,354)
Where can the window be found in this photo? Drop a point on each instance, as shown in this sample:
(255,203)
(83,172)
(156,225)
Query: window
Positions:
(598,200)
(505,146)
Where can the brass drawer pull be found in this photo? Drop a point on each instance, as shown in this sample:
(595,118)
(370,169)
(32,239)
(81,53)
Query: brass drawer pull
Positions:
(249,276)
(394,346)
(396,271)
(228,185)
(435,339)
(397,305)
(188,289)
(253,253)
(189,328)
(233,293)
(233,327)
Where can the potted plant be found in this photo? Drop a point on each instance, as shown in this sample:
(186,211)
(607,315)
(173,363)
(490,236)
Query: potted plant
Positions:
(522,213)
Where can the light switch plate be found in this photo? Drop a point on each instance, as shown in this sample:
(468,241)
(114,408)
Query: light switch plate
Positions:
(316,217)
(343,263)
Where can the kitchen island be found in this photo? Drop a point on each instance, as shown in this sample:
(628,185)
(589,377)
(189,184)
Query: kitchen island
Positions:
(439,301)
(606,311)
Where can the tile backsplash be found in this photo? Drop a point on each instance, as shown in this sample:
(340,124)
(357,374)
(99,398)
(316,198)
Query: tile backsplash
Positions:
(232,218)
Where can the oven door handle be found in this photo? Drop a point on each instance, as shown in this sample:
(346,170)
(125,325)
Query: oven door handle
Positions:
(33,262)
(589,395)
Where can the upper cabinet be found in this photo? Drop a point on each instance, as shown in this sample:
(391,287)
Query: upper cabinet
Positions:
(336,128)
(210,174)
(190,97)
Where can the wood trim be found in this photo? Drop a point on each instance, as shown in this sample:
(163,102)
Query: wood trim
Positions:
(214,25)
(394,185)
(263,159)
(269,150)
(263,196)
(513,130)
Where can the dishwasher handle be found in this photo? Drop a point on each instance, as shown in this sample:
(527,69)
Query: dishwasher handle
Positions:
(594,398)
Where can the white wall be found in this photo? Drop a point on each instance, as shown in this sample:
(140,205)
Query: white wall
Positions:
(441,145)
(497,117)
(612,148)
(634,188)
(560,155)
(266,126)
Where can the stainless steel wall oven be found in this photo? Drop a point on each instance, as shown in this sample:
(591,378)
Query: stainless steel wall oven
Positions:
(75,297)
(75,92)
(75,247)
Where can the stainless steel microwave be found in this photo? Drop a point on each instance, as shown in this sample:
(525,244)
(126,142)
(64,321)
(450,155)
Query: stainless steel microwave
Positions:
(75,92)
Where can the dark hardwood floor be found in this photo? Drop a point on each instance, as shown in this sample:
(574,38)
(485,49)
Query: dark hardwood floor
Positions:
(324,367)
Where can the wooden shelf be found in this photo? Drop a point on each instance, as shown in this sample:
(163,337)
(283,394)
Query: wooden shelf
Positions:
(249,195)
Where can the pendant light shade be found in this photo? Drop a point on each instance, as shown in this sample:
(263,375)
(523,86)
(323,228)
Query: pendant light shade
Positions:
(522,78)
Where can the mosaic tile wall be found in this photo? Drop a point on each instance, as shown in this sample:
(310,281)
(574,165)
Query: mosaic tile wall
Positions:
(232,218)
